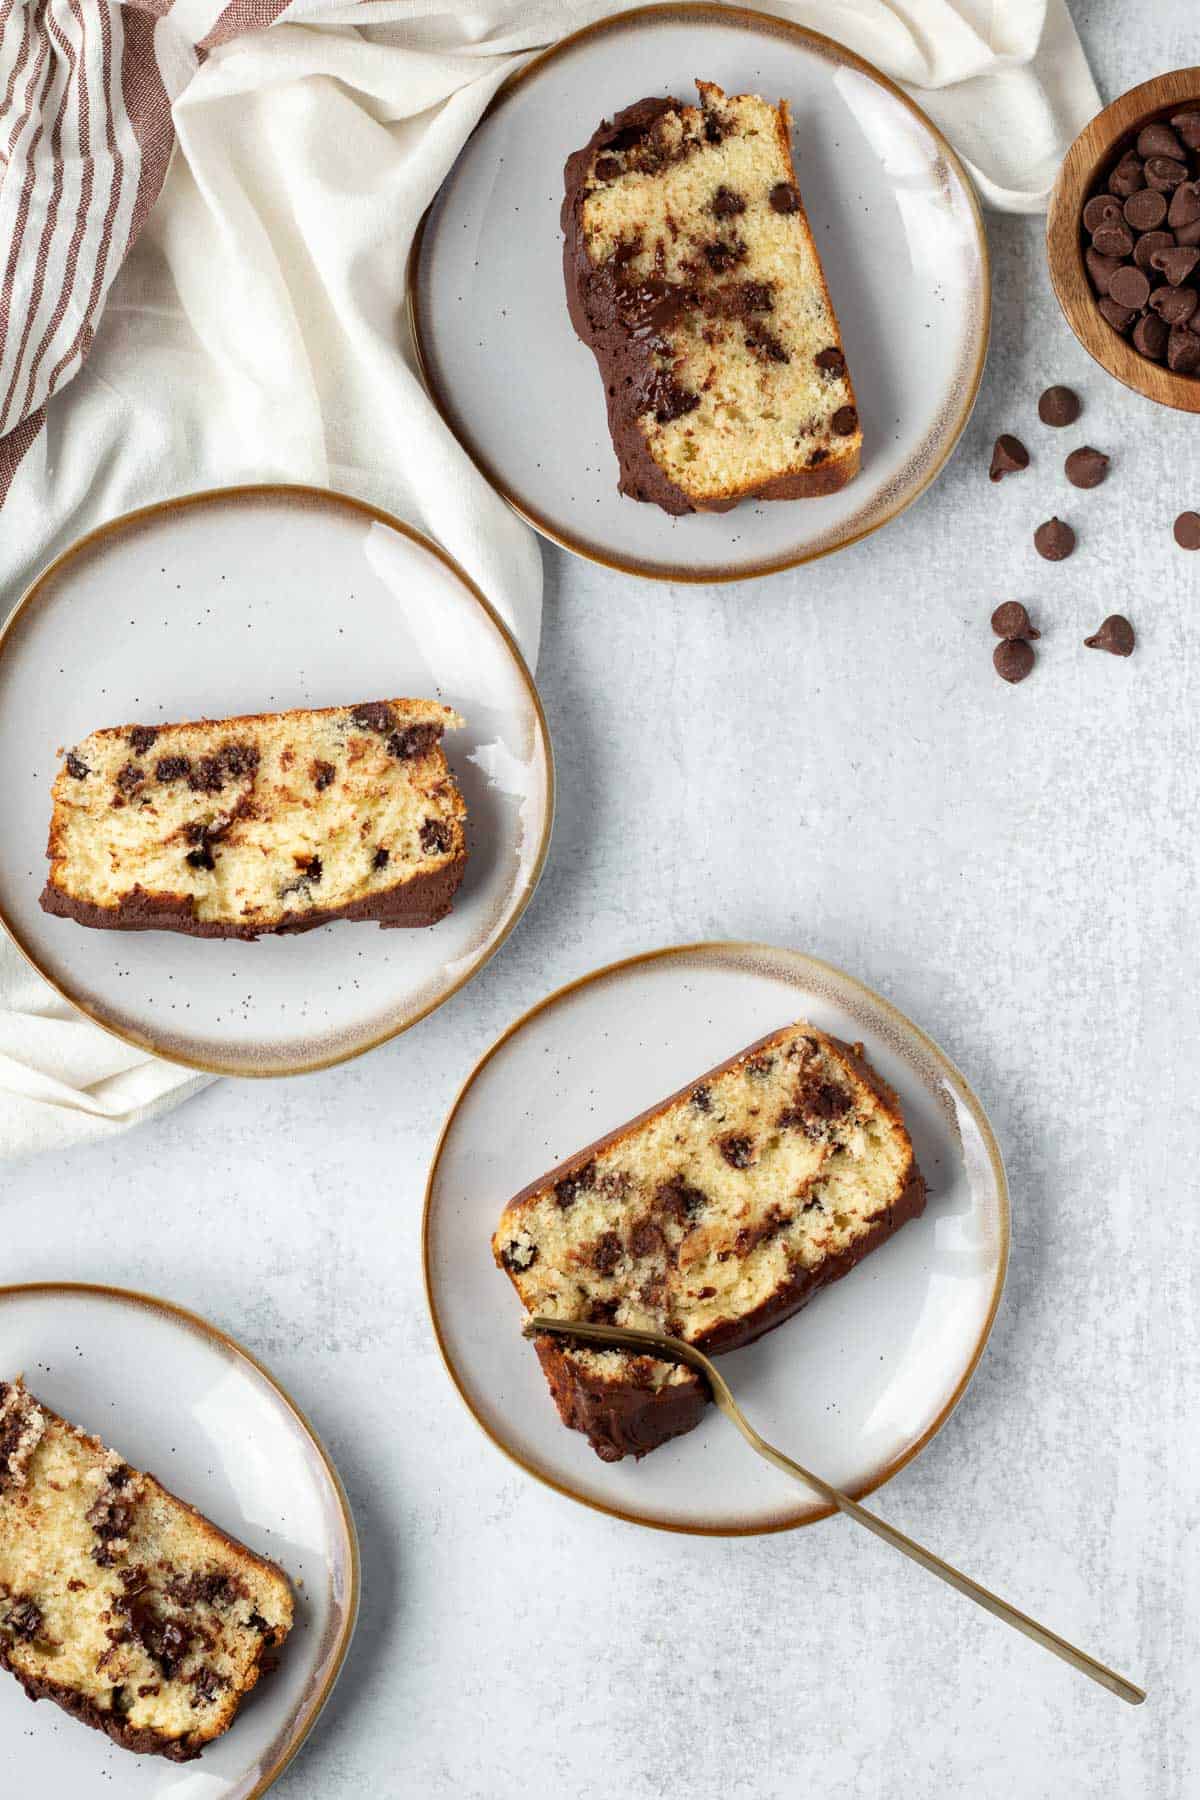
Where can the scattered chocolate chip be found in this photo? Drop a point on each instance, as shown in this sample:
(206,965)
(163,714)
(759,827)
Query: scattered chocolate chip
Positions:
(1059,406)
(323,774)
(1010,620)
(701,1098)
(1144,211)
(166,1641)
(604,1312)
(726,203)
(845,421)
(240,759)
(1115,636)
(1150,336)
(208,776)
(1187,529)
(76,766)
(312,867)
(519,1257)
(170,768)
(784,197)
(677,1200)
(1117,240)
(1174,306)
(831,361)
(130,777)
(1187,124)
(380,858)
(606,168)
(1127,177)
(1013,659)
(413,740)
(1158,140)
(646,1239)
(206,1684)
(1165,173)
(1183,351)
(200,859)
(737,1151)
(1176,263)
(721,256)
(1008,456)
(1054,540)
(581,1181)
(436,837)
(1102,210)
(748,297)
(141,738)
(1130,287)
(24,1620)
(1101,270)
(1185,205)
(1086,468)
(606,1253)
(759,1067)
(1147,244)
(763,344)
(373,715)
(1119,317)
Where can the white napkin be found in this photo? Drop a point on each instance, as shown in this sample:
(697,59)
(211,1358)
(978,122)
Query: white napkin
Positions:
(256,330)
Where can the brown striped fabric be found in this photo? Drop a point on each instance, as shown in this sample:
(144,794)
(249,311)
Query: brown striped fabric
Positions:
(85,140)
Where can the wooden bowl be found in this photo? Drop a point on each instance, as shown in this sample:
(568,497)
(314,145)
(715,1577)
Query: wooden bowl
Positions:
(1096,149)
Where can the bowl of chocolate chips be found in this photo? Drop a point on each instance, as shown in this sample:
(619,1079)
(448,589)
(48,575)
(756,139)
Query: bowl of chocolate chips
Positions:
(1123,237)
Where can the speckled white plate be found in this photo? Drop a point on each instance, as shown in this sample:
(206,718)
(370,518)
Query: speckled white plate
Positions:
(896,224)
(248,600)
(178,1397)
(861,1379)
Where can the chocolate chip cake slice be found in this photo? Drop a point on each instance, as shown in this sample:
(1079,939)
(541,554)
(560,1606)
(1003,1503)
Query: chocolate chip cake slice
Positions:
(119,1601)
(712,1217)
(274,822)
(692,276)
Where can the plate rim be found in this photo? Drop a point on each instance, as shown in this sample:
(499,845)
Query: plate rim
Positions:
(267,490)
(964,1092)
(752,20)
(226,1342)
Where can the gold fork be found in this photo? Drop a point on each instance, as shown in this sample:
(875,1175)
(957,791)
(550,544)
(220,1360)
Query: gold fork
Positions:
(650,1343)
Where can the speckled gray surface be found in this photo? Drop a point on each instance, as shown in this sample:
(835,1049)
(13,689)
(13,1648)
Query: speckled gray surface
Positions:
(824,759)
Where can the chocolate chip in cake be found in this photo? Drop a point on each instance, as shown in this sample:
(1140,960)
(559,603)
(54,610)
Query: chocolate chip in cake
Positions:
(1086,468)
(206,1684)
(170,768)
(701,1098)
(204,1588)
(606,168)
(737,1151)
(518,1257)
(830,361)
(380,858)
(579,1181)
(759,1067)
(1115,636)
(413,740)
(208,776)
(166,1641)
(677,1199)
(663,396)
(373,715)
(24,1620)
(436,837)
(784,197)
(1008,456)
(726,203)
(1011,620)
(744,297)
(1060,405)
(312,867)
(76,766)
(130,777)
(240,759)
(603,1312)
(200,859)
(1187,531)
(646,1239)
(1054,540)
(141,738)
(606,1253)
(763,344)
(845,421)
(1013,659)
(323,774)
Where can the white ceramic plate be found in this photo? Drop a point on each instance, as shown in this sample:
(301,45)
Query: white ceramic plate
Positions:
(179,1398)
(861,1379)
(895,221)
(250,600)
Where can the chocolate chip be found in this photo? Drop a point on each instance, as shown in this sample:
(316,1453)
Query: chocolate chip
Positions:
(1165,173)
(1013,659)
(1188,234)
(1176,263)
(380,858)
(580,1181)
(1183,351)
(1150,336)
(1059,406)
(200,859)
(1010,620)
(1054,540)
(206,1684)
(606,1253)
(721,257)
(1008,456)
(1127,177)
(436,837)
(1174,306)
(373,715)
(1187,124)
(130,777)
(1115,636)
(1086,468)
(1101,270)
(170,768)
(312,867)
(665,398)
(1117,240)
(1147,244)
(603,1312)
(24,1620)
(759,1067)
(679,1201)
(1119,317)
(763,344)
(240,759)
(76,766)
(737,1151)
(726,203)
(1187,527)
(1158,140)
(701,1098)
(1143,212)
(1185,205)
(141,738)
(748,297)
(845,421)
(413,741)
(1130,287)
(606,168)
(1101,210)
(646,1239)
(323,774)
(518,1257)
(831,361)
(784,197)
(208,776)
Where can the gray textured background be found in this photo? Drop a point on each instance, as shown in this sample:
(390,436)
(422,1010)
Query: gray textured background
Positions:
(823,759)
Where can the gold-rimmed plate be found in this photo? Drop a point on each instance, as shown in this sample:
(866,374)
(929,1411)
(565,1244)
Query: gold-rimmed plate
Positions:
(861,1380)
(177,1396)
(248,600)
(894,217)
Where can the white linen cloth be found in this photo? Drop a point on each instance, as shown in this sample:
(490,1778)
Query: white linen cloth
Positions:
(247,323)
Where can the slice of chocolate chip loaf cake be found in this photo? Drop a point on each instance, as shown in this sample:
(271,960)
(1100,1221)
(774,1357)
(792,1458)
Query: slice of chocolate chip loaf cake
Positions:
(275,822)
(118,1601)
(712,1217)
(692,276)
